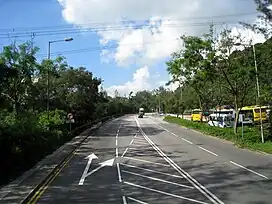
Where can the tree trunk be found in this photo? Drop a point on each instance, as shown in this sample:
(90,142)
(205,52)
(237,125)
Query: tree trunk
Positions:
(201,108)
(235,127)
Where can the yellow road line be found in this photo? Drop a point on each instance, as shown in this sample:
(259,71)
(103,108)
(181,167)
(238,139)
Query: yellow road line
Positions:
(43,188)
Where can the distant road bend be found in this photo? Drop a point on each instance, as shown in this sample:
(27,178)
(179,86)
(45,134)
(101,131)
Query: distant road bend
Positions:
(146,160)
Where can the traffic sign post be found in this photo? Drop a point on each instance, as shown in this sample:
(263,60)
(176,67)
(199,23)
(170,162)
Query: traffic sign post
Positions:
(70,120)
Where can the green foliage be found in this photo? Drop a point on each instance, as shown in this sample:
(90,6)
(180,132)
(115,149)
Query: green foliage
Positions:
(52,118)
(27,130)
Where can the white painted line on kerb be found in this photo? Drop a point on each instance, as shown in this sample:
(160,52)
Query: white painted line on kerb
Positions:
(124,200)
(254,172)
(150,170)
(186,175)
(119,172)
(136,200)
(156,179)
(187,141)
(146,161)
(164,193)
(207,151)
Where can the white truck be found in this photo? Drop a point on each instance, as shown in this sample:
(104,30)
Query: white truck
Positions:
(141,113)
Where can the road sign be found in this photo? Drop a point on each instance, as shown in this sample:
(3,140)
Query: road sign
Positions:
(70,117)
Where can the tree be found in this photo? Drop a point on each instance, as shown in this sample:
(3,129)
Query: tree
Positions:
(20,85)
(194,64)
(234,69)
(264,25)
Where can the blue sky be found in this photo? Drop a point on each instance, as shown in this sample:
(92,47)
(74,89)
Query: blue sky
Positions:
(138,60)
(37,13)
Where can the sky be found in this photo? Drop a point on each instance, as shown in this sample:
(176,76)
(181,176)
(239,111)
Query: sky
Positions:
(125,42)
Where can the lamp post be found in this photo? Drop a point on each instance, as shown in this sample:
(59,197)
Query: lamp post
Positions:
(258,88)
(48,57)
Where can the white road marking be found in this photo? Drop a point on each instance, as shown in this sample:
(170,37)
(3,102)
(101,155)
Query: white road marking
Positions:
(124,200)
(84,175)
(140,139)
(187,141)
(146,161)
(254,172)
(150,170)
(116,152)
(143,143)
(137,145)
(164,193)
(131,141)
(187,176)
(119,172)
(124,152)
(174,134)
(136,200)
(156,179)
(207,151)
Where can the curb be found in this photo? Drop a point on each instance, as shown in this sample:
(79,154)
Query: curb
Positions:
(60,164)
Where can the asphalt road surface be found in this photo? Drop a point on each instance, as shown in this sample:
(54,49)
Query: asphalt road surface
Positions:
(145,160)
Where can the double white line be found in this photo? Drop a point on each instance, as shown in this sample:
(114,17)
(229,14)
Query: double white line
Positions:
(183,173)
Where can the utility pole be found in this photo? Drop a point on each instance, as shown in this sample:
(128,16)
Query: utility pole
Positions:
(258,91)
(48,70)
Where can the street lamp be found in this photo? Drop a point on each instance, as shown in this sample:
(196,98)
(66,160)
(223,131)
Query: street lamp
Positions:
(257,86)
(48,57)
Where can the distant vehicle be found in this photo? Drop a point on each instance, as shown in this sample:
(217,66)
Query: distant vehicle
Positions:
(141,113)
(221,120)
(253,113)
(196,115)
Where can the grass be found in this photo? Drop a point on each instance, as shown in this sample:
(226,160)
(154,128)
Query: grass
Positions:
(251,138)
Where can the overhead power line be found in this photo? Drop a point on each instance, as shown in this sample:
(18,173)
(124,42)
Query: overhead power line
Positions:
(54,30)
(106,29)
(105,24)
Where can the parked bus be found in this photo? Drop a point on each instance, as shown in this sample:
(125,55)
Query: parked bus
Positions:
(253,113)
(221,120)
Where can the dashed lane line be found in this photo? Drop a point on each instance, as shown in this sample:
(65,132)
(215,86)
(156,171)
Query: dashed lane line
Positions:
(243,167)
(207,151)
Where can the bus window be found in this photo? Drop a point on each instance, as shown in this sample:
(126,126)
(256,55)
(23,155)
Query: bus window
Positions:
(257,110)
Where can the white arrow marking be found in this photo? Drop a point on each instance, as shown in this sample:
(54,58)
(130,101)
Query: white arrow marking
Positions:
(103,164)
(90,158)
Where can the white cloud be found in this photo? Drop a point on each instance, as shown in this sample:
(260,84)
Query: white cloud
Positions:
(154,40)
(145,32)
(139,82)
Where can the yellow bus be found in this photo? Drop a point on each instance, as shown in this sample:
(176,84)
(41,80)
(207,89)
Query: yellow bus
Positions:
(253,112)
(196,115)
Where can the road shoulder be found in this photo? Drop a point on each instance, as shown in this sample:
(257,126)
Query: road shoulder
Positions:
(18,190)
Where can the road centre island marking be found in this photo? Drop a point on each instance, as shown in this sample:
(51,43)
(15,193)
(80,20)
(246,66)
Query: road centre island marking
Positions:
(183,173)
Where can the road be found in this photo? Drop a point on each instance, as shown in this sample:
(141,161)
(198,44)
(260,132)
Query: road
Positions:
(145,160)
